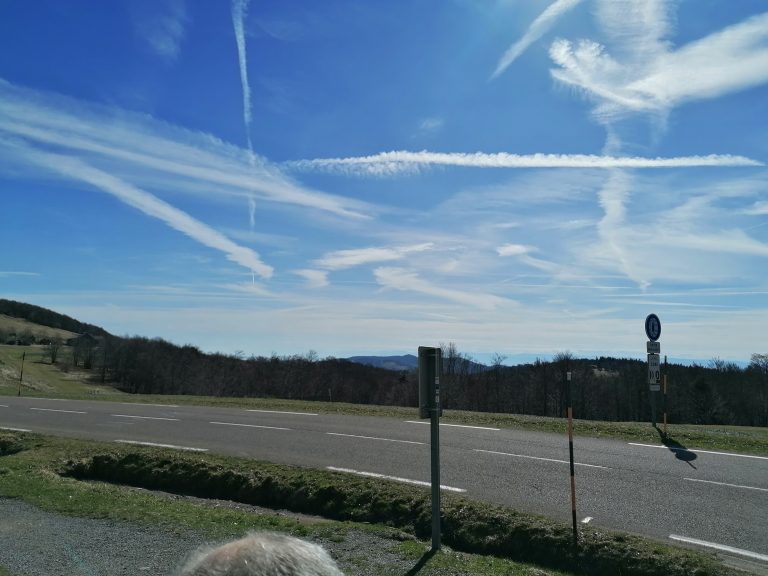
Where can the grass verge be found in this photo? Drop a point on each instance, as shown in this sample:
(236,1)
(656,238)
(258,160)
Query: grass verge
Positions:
(47,472)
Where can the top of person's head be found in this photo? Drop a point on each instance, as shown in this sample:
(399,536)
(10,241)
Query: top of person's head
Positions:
(262,554)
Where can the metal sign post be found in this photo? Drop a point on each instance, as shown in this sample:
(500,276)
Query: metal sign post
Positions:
(429,406)
(665,396)
(653,347)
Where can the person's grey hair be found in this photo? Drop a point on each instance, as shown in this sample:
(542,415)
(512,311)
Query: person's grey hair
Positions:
(261,554)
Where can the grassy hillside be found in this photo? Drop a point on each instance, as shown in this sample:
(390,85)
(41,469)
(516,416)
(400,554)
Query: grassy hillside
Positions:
(11,325)
(41,378)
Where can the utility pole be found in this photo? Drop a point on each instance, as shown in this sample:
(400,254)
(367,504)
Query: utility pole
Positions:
(430,368)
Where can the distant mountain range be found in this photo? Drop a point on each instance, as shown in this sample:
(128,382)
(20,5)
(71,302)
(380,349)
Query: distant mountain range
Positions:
(400,363)
(405,362)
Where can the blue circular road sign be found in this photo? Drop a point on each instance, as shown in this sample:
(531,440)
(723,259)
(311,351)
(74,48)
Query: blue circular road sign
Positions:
(652,327)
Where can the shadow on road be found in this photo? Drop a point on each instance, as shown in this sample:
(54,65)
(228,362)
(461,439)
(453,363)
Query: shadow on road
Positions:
(420,564)
(680,451)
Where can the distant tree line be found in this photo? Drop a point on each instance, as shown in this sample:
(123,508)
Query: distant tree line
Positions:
(602,389)
(155,366)
(610,389)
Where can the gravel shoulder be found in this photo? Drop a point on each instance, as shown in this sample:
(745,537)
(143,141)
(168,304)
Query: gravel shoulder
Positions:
(34,542)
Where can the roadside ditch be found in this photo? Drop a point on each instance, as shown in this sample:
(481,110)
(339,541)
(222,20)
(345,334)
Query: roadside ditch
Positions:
(468,526)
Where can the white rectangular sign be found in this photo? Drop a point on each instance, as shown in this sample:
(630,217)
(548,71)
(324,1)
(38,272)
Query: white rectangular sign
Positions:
(654,369)
(653,347)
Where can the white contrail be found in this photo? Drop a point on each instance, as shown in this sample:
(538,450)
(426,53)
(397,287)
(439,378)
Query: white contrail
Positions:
(536,30)
(252,210)
(150,205)
(154,154)
(239,12)
(402,161)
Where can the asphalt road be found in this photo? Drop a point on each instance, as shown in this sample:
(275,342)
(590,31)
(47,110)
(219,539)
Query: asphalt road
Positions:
(695,497)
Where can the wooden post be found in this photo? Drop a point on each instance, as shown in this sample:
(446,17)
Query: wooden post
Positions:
(21,376)
(570,449)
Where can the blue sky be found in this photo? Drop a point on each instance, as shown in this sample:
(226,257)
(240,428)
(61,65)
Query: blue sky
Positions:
(516,176)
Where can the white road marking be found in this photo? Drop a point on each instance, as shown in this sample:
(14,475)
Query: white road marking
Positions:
(395,478)
(14,429)
(282,412)
(721,547)
(454,425)
(144,417)
(726,484)
(143,404)
(540,458)
(4,406)
(587,520)
(374,438)
(40,398)
(188,448)
(53,410)
(697,451)
(248,425)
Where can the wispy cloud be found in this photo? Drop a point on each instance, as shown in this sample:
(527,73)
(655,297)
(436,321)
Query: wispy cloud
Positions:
(314,278)
(248,288)
(513,250)
(145,151)
(342,259)
(726,242)
(523,253)
(758,209)
(405,162)
(164,30)
(613,198)
(429,126)
(536,30)
(409,281)
(149,205)
(646,75)
(733,59)
(639,72)
(12,273)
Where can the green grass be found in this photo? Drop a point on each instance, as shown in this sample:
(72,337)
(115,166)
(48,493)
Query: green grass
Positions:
(43,379)
(31,475)
(50,473)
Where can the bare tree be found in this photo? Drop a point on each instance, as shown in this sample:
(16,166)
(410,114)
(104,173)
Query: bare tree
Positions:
(52,349)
